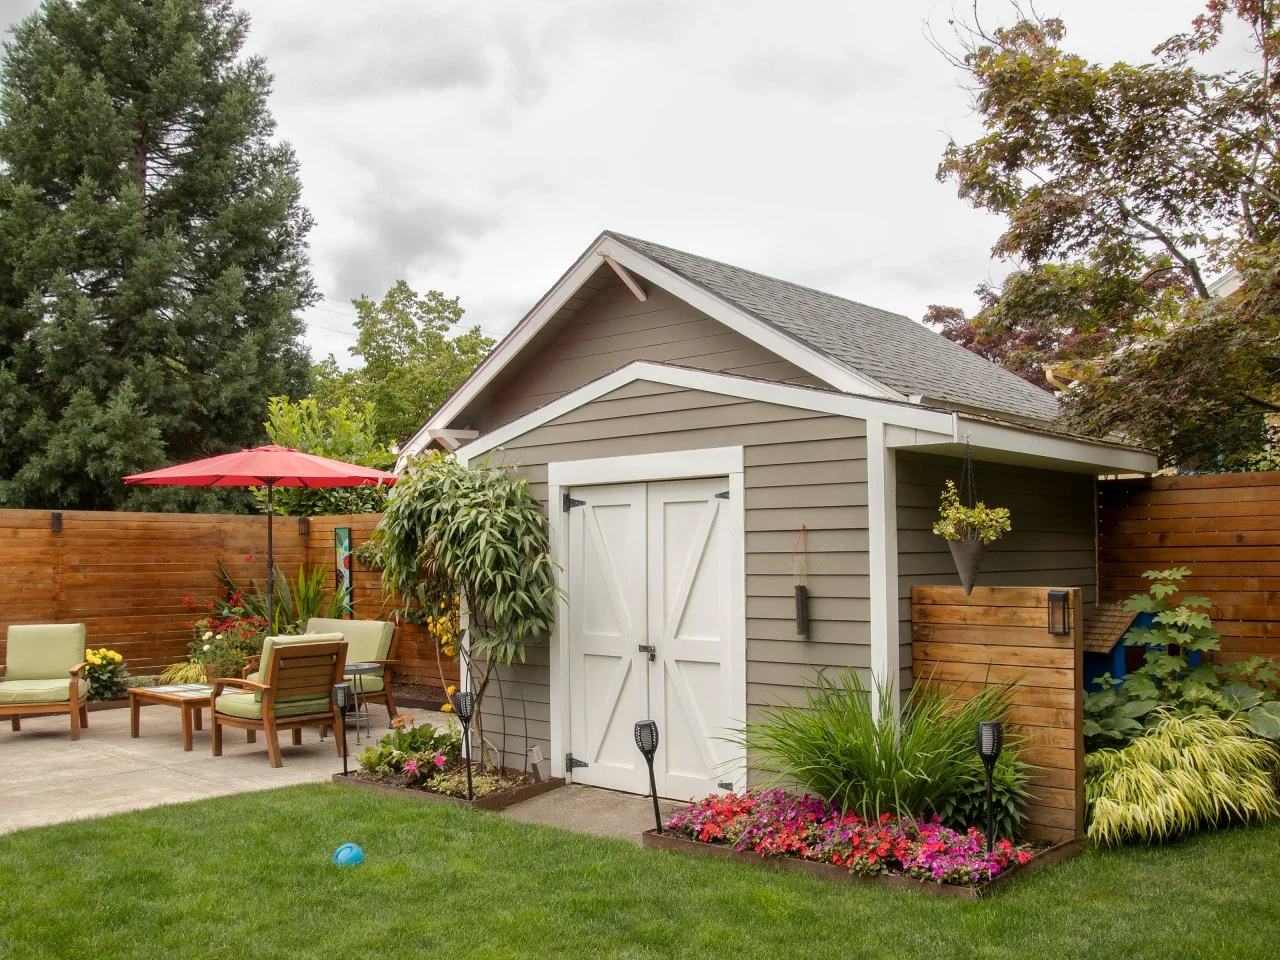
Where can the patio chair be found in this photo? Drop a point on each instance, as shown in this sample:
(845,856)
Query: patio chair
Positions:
(42,674)
(298,675)
(368,641)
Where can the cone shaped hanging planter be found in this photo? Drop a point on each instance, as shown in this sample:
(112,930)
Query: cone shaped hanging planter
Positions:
(967,555)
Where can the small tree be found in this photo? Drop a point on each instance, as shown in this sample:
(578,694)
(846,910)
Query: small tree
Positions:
(479,534)
(344,431)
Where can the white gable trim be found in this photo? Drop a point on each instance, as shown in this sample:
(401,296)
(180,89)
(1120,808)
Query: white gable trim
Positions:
(906,426)
(812,361)
(787,395)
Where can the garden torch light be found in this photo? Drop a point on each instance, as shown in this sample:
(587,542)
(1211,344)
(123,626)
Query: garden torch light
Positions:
(342,697)
(464,705)
(989,739)
(647,741)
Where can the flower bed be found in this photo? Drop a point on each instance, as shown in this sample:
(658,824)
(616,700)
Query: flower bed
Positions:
(783,829)
(496,791)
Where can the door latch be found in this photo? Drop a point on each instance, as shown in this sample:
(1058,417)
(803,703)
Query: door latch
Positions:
(650,649)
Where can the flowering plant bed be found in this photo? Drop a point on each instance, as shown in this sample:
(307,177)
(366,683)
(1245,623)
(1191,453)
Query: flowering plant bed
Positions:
(500,791)
(806,833)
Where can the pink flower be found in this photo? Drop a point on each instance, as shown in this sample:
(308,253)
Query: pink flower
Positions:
(410,766)
(438,760)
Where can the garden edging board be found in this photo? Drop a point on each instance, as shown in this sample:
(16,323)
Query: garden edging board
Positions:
(653,840)
(492,803)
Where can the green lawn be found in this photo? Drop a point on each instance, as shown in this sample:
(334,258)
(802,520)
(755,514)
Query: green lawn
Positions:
(249,876)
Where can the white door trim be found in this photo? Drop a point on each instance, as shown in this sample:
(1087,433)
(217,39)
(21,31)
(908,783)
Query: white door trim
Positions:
(673,465)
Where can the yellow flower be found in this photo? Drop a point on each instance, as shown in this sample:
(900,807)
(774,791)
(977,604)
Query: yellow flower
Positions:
(116,657)
(446,708)
(450,690)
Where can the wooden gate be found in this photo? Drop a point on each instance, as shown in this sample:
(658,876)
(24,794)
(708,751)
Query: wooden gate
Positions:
(1000,634)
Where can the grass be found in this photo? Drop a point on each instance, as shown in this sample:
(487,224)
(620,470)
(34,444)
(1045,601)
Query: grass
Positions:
(248,876)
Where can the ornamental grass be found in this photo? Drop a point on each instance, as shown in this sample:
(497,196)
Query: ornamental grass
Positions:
(1189,773)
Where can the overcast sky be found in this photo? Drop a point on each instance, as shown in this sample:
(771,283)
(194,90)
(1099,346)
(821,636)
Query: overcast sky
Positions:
(478,147)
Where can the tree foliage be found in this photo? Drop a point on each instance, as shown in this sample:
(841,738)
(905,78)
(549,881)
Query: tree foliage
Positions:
(1125,188)
(152,249)
(342,432)
(410,361)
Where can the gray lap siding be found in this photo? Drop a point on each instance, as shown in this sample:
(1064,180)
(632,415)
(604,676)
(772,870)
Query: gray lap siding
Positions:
(800,467)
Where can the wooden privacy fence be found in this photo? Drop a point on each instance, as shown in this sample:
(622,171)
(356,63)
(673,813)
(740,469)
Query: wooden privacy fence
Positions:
(1225,527)
(125,577)
(1000,634)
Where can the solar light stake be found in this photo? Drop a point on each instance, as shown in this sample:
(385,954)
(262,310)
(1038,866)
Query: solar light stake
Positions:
(342,696)
(464,705)
(647,741)
(988,740)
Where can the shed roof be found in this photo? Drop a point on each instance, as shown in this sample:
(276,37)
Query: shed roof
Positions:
(900,353)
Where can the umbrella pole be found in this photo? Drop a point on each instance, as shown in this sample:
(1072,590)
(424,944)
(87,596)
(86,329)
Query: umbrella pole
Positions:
(271,576)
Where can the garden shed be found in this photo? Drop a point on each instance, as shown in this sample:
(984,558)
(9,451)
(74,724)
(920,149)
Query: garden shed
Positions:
(705,439)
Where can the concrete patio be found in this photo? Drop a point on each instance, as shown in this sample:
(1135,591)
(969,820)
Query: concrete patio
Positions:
(49,779)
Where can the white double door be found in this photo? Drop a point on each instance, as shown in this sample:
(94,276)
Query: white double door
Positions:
(651,605)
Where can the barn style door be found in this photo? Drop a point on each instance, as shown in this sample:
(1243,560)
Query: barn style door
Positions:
(650,591)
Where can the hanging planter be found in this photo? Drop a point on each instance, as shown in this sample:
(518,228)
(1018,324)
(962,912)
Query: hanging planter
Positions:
(969,527)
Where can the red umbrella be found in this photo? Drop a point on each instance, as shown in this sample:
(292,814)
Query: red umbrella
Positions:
(270,466)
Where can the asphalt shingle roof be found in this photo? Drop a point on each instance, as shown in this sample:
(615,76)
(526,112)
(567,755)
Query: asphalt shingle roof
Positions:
(895,350)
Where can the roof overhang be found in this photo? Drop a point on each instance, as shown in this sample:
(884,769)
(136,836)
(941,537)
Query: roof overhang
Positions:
(838,375)
(908,426)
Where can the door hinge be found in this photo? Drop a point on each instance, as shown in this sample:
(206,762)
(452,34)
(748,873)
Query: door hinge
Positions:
(725,785)
(572,763)
(570,503)
(723,495)
(650,649)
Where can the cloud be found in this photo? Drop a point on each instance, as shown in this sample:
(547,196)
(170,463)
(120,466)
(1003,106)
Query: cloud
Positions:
(404,236)
(804,74)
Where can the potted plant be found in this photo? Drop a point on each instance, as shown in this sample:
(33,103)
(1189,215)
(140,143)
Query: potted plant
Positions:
(968,531)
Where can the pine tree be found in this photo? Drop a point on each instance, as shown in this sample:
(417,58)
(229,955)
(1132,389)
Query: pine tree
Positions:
(153,256)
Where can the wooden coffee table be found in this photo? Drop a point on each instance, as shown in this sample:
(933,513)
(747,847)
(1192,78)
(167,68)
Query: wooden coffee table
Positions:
(190,698)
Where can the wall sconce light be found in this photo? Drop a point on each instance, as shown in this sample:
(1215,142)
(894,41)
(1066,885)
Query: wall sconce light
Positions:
(1059,613)
(304,524)
(55,521)
(647,743)
(988,740)
(464,705)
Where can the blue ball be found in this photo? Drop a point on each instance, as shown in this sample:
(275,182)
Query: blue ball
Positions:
(348,855)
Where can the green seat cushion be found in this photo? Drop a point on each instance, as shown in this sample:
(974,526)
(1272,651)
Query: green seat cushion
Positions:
(367,683)
(256,676)
(244,705)
(39,691)
(44,651)
(366,639)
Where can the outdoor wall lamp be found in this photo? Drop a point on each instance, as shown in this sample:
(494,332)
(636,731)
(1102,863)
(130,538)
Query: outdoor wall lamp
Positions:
(464,706)
(1059,613)
(343,697)
(988,741)
(304,525)
(647,742)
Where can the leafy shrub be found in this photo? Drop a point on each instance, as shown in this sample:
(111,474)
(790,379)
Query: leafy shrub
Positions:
(188,671)
(1186,774)
(967,807)
(1127,708)
(419,751)
(910,763)
(296,601)
(775,823)
(106,674)
(979,522)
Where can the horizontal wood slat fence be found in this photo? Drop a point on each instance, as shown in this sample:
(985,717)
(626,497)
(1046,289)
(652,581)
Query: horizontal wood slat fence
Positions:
(999,634)
(124,576)
(1225,527)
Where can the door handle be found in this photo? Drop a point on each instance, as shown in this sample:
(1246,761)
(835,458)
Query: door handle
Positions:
(650,649)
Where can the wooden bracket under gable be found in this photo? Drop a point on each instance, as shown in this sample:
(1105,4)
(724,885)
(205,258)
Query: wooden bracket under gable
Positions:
(625,276)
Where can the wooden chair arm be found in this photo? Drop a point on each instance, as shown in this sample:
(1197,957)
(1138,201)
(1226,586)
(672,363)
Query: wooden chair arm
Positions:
(239,682)
(385,663)
(251,664)
(78,669)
